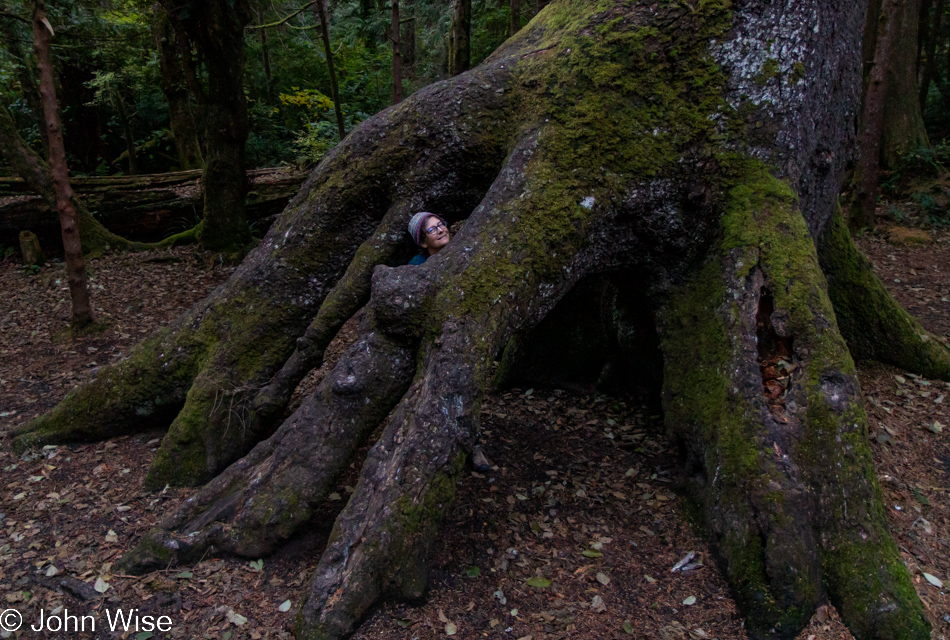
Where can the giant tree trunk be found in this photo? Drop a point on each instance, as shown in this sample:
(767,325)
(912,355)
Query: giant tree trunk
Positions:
(661,142)
(65,204)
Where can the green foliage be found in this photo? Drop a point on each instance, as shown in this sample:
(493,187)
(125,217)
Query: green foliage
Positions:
(105,52)
(933,206)
(923,177)
(921,164)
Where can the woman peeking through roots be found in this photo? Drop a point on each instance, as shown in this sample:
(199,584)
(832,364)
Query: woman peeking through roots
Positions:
(430,232)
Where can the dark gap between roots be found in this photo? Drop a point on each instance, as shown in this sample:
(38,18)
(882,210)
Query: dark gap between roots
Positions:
(600,337)
(775,353)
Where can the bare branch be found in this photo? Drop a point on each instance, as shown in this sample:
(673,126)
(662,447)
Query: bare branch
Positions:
(285,19)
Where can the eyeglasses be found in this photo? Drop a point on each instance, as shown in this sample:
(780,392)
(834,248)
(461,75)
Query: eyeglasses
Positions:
(435,228)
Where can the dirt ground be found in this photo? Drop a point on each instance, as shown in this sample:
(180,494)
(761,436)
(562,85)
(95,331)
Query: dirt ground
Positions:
(573,533)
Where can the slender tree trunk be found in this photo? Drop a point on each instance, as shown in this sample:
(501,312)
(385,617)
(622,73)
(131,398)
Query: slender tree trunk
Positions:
(460,37)
(181,100)
(127,129)
(408,40)
(515,24)
(397,55)
(934,32)
(903,122)
(323,14)
(923,27)
(265,55)
(538,5)
(864,200)
(75,267)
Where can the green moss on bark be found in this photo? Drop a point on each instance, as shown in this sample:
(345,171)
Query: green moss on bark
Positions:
(874,324)
(708,400)
(214,426)
(146,385)
(608,96)
(416,524)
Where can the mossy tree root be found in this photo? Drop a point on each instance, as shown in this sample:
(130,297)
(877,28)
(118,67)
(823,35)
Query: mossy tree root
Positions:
(386,246)
(874,324)
(143,391)
(260,500)
(237,340)
(761,391)
(381,541)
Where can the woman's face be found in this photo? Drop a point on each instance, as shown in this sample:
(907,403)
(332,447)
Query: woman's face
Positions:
(436,235)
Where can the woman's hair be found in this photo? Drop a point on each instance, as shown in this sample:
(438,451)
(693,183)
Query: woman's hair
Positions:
(418,221)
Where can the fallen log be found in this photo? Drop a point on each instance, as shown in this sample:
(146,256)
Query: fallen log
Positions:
(145,208)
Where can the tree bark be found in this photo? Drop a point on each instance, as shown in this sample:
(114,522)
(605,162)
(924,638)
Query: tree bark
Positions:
(323,14)
(397,55)
(866,177)
(175,86)
(265,55)
(460,37)
(127,130)
(514,26)
(904,129)
(638,139)
(217,29)
(930,72)
(72,246)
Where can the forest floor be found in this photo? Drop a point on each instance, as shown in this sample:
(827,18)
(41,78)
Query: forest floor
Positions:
(574,532)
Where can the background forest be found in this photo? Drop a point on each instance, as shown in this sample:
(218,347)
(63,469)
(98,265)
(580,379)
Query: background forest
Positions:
(113,91)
